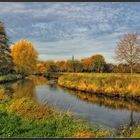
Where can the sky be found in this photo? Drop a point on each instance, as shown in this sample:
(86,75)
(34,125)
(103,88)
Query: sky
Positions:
(59,30)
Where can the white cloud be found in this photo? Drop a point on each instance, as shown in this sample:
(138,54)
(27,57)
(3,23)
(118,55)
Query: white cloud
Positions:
(80,48)
(6,7)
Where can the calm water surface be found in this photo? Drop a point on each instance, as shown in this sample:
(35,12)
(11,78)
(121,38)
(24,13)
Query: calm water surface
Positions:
(104,111)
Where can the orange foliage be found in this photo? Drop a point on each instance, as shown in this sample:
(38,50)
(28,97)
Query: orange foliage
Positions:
(61,63)
(87,61)
(41,67)
(84,135)
(24,57)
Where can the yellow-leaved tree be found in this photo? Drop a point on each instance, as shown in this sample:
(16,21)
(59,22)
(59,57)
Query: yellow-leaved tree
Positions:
(24,57)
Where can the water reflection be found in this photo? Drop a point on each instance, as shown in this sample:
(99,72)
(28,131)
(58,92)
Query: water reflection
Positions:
(38,80)
(24,88)
(114,103)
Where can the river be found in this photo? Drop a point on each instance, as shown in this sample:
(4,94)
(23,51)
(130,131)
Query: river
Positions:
(110,113)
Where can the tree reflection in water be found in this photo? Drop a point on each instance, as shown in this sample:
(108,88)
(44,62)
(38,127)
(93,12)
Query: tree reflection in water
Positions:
(114,104)
(24,88)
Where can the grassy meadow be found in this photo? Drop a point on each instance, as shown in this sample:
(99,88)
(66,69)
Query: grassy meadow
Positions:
(111,84)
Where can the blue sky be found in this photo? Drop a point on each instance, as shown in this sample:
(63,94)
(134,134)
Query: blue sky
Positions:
(60,30)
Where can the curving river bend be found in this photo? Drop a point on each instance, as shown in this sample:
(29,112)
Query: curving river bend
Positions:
(110,113)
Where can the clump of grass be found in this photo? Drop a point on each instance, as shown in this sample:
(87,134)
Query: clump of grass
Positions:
(136,132)
(4,99)
(84,135)
(107,84)
(127,131)
(95,134)
(27,108)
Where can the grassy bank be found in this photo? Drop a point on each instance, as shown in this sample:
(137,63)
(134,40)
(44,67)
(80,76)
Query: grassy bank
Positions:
(113,85)
(10,77)
(23,117)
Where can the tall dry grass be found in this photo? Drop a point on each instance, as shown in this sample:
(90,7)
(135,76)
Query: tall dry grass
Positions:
(108,84)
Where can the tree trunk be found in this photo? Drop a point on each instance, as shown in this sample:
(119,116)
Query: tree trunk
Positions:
(131,119)
(132,123)
(131,72)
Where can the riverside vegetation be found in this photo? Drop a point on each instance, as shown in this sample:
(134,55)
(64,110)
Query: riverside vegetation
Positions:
(23,117)
(111,85)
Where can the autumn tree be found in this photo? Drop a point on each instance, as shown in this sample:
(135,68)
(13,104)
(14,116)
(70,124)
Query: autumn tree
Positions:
(95,63)
(128,50)
(5,58)
(24,57)
(61,66)
(98,63)
(137,68)
(41,68)
(78,66)
(87,64)
(51,66)
(69,66)
(109,67)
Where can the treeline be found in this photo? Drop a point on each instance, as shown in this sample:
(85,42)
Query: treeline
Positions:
(95,63)
(22,58)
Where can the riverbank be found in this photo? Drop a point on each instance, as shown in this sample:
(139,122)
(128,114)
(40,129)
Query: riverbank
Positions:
(112,85)
(24,117)
(10,78)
